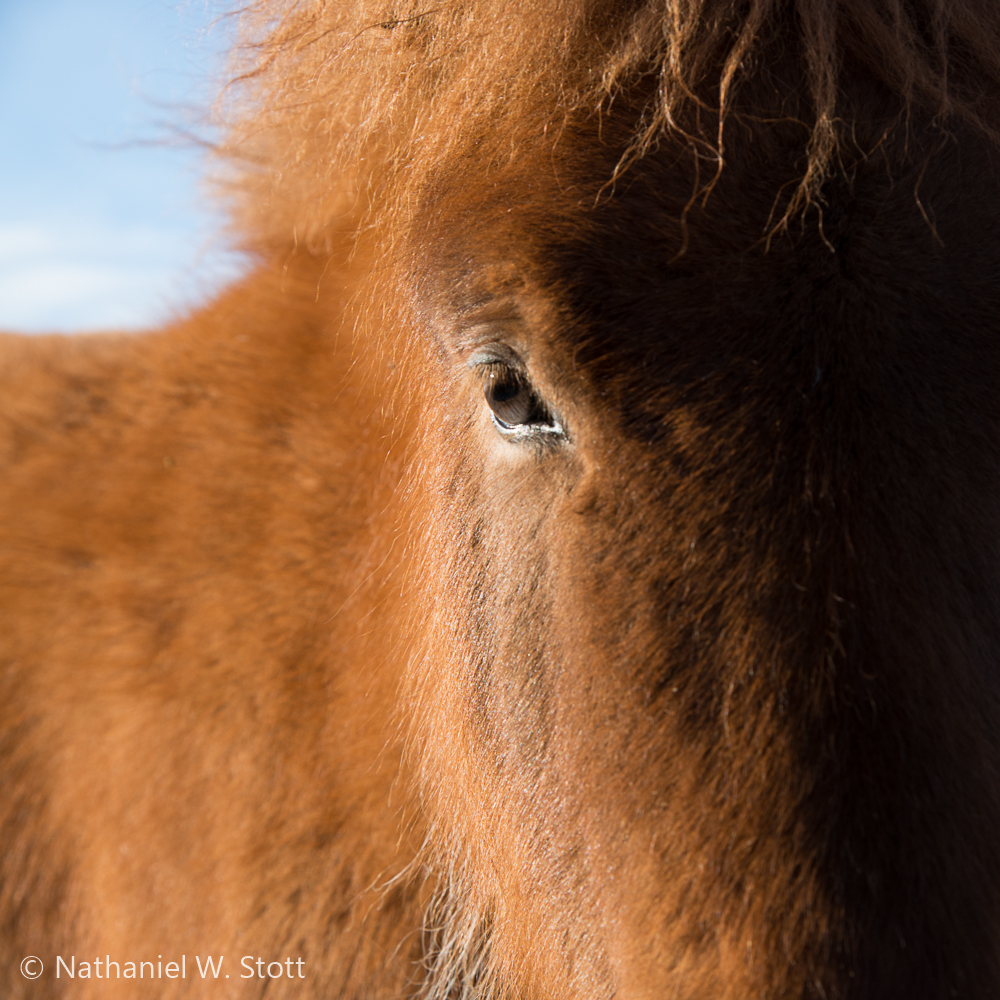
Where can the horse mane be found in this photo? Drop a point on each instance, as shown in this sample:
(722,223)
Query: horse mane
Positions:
(339,106)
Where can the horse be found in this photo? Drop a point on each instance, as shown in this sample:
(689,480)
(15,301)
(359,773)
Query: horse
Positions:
(566,566)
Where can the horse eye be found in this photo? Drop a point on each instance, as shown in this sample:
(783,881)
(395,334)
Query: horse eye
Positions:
(515,405)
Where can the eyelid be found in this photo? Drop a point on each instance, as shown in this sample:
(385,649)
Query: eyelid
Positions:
(495,354)
(516,432)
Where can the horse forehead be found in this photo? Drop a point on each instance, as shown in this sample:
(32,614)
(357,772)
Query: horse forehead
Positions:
(641,283)
(629,265)
(615,288)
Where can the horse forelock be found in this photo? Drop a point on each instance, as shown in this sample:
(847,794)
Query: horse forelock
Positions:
(337,108)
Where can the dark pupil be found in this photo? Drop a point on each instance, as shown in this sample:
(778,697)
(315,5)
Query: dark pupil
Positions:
(501,391)
(511,399)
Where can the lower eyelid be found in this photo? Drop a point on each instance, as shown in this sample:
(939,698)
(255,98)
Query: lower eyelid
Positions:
(554,429)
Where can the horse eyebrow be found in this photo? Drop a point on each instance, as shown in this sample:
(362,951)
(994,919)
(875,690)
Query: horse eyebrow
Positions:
(491,309)
(500,326)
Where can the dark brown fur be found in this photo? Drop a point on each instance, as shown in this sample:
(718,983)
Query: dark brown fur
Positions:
(302,657)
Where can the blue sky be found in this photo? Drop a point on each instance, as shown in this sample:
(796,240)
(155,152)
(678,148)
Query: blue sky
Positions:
(103,220)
